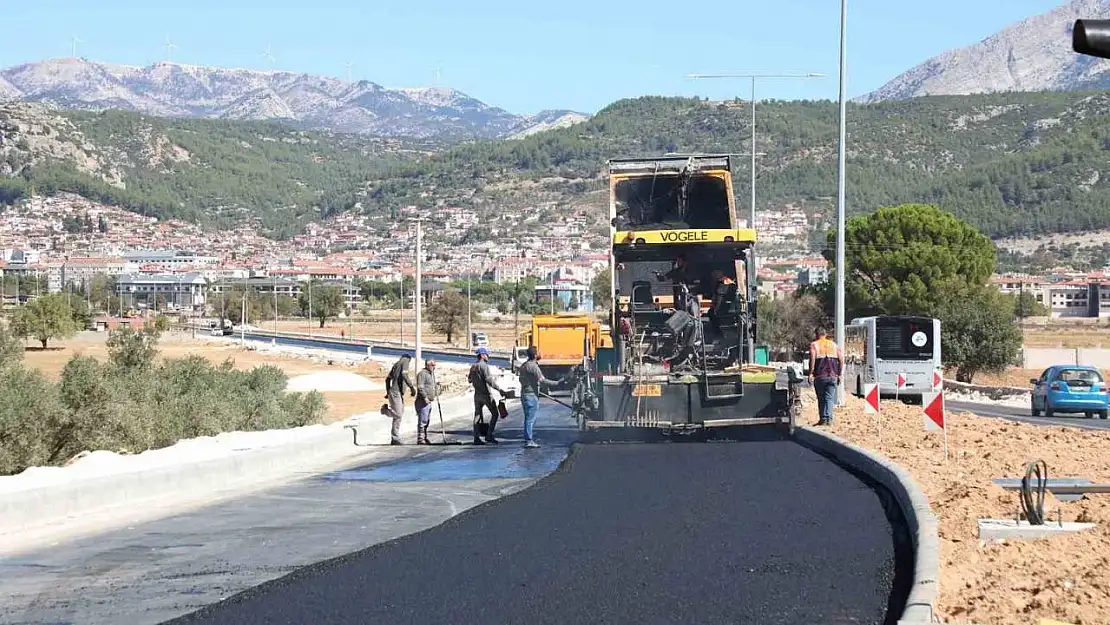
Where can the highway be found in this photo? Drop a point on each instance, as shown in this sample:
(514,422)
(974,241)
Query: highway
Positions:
(1022,415)
(753,531)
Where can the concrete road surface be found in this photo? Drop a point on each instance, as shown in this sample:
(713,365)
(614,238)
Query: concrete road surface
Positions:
(755,532)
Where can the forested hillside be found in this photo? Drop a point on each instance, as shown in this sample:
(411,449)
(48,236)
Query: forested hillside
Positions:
(211,172)
(1011,164)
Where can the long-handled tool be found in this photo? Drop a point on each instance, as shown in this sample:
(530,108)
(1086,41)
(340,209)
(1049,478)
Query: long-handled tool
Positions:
(439,406)
(557,401)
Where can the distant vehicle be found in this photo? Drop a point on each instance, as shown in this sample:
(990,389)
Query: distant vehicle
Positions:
(507,380)
(479,339)
(878,349)
(1070,389)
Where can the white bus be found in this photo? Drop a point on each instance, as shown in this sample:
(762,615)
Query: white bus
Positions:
(879,349)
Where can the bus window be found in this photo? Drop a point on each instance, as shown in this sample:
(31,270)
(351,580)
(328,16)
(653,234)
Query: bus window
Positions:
(904,339)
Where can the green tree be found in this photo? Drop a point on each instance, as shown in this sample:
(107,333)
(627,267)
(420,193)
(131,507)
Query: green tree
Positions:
(901,259)
(447,314)
(45,318)
(978,332)
(788,324)
(130,349)
(1026,305)
(602,288)
(11,348)
(324,301)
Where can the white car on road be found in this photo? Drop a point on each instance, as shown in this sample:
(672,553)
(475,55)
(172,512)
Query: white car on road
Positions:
(507,380)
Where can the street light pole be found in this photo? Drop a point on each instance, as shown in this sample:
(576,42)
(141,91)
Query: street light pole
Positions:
(753,77)
(469,340)
(419,319)
(840,201)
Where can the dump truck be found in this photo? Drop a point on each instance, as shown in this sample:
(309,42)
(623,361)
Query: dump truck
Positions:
(563,340)
(683,319)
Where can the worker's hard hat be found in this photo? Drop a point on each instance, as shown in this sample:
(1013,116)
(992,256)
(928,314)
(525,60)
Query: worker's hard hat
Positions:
(482,351)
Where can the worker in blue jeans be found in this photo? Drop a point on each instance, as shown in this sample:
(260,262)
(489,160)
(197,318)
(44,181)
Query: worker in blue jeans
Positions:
(826,366)
(531,379)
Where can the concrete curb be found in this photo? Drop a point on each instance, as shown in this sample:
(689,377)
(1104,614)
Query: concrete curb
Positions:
(921,603)
(31,508)
(995,392)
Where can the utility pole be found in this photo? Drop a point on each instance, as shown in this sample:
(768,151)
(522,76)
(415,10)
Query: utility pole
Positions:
(310,304)
(469,341)
(840,269)
(752,77)
(243,325)
(419,292)
(274,289)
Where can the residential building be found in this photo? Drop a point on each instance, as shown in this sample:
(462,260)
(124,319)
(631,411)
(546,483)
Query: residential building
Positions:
(187,291)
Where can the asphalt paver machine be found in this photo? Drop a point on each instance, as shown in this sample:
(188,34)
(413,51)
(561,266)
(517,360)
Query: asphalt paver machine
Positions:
(683,318)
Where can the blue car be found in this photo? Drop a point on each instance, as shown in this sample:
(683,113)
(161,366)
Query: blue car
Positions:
(1070,389)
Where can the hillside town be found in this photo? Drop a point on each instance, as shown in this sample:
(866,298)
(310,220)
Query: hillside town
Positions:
(66,240)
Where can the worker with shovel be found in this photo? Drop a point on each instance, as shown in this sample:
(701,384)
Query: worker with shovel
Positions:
(426,393)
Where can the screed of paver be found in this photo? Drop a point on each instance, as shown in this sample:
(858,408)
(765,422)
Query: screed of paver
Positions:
(745,532)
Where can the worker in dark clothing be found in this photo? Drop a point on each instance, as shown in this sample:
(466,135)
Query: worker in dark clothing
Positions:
(678,274)
(681,275)
(426,393)
(395,393)
(531,378)
(723,293)
(482,380)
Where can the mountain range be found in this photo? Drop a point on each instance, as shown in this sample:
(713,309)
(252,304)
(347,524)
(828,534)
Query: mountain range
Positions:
(305,101)
(1032,55)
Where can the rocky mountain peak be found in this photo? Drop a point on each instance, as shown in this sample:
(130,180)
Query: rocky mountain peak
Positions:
(308,101)
(1031,55)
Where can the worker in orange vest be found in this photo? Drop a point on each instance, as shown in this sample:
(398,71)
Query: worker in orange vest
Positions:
(826,365)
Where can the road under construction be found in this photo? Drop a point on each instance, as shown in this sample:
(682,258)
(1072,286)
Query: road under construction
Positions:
(703,506)
(680,487)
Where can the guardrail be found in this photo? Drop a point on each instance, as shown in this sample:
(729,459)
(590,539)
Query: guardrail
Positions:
(359,346)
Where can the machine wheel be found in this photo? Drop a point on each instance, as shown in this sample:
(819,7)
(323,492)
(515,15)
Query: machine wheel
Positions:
(1048,412)
(1102,414)
(859,387)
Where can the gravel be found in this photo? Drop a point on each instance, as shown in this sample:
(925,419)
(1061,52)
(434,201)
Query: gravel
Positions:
(744,532)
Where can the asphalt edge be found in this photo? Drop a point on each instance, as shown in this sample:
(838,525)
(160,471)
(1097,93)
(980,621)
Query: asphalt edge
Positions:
(921,602)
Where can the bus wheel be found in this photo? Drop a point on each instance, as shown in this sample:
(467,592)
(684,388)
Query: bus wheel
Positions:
(859,387)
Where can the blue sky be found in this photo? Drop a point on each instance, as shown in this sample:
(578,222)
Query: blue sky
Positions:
(523,56)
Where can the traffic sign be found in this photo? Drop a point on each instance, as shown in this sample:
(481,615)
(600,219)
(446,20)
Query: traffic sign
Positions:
(871,398)
(934,410)
(937,381)
(901,380)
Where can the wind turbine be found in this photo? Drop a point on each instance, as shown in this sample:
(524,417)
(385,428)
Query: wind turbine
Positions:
(349,64)
(170,46)
(435,76)
(268,55)
(74,43)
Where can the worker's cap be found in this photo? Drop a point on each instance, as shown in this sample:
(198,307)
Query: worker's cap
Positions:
(482,351)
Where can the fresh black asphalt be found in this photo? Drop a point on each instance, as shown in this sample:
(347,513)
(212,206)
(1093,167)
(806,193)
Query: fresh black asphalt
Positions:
(754,532)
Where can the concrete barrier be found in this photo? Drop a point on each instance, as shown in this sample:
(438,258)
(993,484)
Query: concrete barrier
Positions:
(921,603)
(1045,357)
(36,506)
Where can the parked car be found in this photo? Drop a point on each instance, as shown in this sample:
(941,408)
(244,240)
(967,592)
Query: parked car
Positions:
(1070,389)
